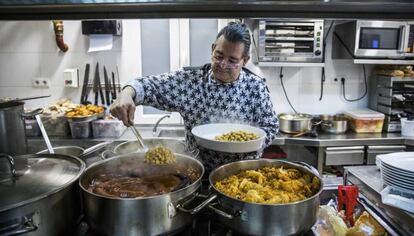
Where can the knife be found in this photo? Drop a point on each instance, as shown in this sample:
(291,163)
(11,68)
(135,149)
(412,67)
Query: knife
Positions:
(107,88)
(95,83)
(100,90)
(85,85)
(113,86)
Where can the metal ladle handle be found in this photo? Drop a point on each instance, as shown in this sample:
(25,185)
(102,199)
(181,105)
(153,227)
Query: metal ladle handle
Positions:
(44,134)
(139,138)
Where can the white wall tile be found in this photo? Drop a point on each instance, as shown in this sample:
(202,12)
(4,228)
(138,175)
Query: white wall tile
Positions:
(28,50)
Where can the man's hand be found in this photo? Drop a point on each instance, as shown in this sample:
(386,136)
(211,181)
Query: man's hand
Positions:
(123,107)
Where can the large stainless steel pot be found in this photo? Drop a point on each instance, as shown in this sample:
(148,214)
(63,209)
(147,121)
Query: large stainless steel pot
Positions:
(334,124)
(295,123)
(39,194)
(153,215)
(12,129)
(264,219)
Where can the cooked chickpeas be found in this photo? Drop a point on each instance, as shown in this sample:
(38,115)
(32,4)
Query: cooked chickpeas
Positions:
(237,136)
(160,155)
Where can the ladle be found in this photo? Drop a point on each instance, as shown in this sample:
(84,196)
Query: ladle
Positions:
(44,134)
(139,138)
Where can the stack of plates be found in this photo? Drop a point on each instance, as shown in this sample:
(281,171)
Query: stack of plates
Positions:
(397,170)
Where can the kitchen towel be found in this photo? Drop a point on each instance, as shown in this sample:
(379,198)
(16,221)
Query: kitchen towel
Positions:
(100,42)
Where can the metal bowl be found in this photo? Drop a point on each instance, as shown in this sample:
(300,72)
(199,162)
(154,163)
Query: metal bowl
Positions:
(205,137)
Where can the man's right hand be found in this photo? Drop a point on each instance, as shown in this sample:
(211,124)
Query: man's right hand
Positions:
(123,107)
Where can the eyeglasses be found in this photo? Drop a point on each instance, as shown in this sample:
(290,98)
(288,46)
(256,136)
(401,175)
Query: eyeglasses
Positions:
(219,60)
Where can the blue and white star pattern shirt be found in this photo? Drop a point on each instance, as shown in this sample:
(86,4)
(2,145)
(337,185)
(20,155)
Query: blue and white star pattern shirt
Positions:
(200,99)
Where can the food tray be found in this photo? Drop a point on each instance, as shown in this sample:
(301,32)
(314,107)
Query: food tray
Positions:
(205,137)
(86,118)
(55,125)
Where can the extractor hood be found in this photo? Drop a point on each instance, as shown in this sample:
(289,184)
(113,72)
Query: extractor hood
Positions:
(123,9)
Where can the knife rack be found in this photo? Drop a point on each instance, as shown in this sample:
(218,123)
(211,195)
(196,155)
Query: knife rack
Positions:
(103,86)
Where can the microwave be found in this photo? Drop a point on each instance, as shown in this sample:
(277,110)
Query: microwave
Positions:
(374,39)
(293,40)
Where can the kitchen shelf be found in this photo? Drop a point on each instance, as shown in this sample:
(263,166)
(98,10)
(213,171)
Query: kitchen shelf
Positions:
(127,9)
(290,64)
(383,62)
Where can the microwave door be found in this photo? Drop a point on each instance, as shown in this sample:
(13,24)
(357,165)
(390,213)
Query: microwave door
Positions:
(381,39)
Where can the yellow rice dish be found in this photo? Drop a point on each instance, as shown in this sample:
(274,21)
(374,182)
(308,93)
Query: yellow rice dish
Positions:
(269,185)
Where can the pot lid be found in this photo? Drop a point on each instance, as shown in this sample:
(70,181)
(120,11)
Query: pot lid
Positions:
(37,176)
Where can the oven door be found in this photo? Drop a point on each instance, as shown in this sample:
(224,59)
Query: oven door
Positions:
(382,39)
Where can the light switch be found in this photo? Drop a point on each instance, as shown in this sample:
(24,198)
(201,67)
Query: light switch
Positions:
(71,78)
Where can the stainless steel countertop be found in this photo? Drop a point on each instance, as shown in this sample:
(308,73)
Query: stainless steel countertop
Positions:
(323,139)
(368,180)
(347,139)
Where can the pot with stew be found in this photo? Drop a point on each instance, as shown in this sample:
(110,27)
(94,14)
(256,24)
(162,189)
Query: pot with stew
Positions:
(129,195)
(266,197)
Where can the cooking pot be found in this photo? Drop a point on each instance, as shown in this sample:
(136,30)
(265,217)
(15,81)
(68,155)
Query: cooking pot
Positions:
(334,124)
(264,219)
(295,123)
(176,145)
(39,194)
(12,128)
(153,215)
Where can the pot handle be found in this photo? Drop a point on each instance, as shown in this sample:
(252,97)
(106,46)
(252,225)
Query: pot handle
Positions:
(107,154)
(327,123)
(306,165)
(181,206)
(220,212)
(32,113)
(25,226)
(11,162)
(94,148)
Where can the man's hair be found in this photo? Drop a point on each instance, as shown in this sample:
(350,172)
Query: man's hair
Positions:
(237,33)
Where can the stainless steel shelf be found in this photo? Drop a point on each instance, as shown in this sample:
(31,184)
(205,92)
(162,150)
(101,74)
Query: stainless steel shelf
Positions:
(383,62)
(123,9)
(291,64)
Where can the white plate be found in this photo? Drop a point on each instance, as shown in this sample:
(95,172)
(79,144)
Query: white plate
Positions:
(205,137)
(391,182)
(398,180)
(398,176)
(397,170)
(400,160)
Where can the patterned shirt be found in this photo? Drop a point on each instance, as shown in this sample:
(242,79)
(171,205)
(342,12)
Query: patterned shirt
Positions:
(200,99)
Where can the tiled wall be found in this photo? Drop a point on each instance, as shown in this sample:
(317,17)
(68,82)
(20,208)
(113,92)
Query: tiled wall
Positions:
(28,50)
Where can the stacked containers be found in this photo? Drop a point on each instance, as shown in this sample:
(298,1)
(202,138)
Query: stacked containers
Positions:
(365,120)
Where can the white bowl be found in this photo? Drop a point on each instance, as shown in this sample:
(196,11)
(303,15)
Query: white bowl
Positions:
(205,137)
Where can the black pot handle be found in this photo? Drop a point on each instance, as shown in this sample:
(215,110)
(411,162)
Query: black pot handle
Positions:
(11,162)
(32,113)
(25,225)
(181,206)
(220,212)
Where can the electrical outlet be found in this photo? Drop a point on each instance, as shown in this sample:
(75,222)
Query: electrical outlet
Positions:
(41,82)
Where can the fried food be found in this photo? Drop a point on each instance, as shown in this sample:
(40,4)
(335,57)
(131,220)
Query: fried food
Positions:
(160,155)
(237,136)
(269,185)
(82,111)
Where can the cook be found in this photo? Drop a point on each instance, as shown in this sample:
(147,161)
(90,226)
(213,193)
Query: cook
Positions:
(223,91)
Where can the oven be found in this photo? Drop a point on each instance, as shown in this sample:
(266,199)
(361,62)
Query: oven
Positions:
(289,40)
(376,39)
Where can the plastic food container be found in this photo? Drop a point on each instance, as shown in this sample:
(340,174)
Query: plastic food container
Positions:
(80,129)
(365,120)
(55,125)
(407,127)
(107,128)
(32,128)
